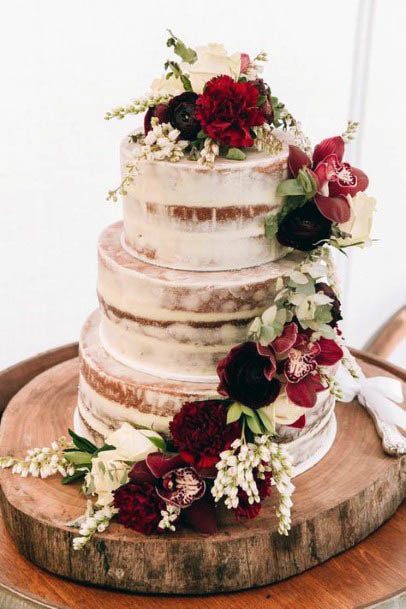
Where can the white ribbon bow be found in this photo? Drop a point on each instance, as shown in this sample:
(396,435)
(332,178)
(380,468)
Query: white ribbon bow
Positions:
(380,396)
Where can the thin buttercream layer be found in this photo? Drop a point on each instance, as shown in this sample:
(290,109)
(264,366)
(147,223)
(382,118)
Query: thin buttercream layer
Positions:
(184,216)
(178,324)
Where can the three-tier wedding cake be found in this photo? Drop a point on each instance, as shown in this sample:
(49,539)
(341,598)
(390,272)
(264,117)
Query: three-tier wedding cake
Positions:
(217,332)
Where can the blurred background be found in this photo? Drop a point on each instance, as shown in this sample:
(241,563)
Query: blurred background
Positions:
(64,64)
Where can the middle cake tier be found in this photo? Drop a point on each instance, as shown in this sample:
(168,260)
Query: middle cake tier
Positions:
(177,324)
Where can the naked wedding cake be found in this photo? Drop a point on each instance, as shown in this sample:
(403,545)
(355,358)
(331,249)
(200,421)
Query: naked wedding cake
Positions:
(217,336)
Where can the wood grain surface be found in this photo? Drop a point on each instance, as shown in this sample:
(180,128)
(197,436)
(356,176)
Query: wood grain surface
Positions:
(371,573)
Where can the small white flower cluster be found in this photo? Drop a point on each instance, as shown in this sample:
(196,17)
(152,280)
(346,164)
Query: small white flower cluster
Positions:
(169,516)
(301,139)
(235,471)
(161,143)
(208,153)
(281,465)
(41,462)
(93,521)
(141,104)
(350,131)
(255,67)
(266,140)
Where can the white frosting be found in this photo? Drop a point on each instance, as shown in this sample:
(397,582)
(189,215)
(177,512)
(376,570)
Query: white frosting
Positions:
(177,324)
(175,214)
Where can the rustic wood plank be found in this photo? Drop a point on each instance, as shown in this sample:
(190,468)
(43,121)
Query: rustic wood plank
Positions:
(18,375)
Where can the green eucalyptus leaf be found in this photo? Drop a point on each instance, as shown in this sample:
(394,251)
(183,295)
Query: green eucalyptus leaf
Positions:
(78,457)
(308,182)
(186,82)
(289,188)
(234,413)
(78,475)
(158,442)
(267,335)
(187,54)
(266,421)
(254,424)
(82,443)
(235,154)
(271,226)
(248,411)
(261,100)
(323,314)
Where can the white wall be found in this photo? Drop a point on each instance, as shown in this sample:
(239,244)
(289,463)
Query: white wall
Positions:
(64,64)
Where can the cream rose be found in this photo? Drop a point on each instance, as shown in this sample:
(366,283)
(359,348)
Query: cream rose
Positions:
(167,86)
(106,475)
(212,60)
(360,223)
(132,444)
(283,411)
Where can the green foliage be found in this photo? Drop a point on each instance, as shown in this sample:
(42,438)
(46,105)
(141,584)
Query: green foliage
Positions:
(158,442)
(78,457)
(235,154)
(82,444)
(176,70)
(234,413)
(187,54)
(78,475)
(267,423)
(289,188)
(292,202)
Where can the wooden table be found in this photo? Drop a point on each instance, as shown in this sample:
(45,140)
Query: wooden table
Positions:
(372,571)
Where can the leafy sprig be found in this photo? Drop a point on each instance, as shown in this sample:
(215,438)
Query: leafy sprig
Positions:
(187,54)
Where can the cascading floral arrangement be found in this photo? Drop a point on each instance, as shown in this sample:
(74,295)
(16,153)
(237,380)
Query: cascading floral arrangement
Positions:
(226,449)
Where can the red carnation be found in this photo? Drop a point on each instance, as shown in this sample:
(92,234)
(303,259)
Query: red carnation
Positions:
(251,510)
(247,375)
(227,110)
(139,507)
(200,432)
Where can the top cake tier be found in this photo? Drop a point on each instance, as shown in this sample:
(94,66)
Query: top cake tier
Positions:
(184,216)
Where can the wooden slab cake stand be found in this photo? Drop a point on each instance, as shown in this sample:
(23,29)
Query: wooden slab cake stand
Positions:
(339,502)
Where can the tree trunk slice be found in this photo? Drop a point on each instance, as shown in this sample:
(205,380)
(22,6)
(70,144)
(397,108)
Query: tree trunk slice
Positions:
(337,503)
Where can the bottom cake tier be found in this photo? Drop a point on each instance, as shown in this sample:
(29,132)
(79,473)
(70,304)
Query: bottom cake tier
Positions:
(111,393)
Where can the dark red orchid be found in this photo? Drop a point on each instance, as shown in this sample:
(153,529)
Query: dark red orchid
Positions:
(303,380)
(178,484)
(335,178)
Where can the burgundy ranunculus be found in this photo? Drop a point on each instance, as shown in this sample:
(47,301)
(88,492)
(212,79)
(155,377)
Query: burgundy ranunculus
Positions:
(160,112)
(139,507)
(336,305)
(247,375)
(182,115)
(335,178)
(304,228)
(200,432)
(227,110)
(251,510)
